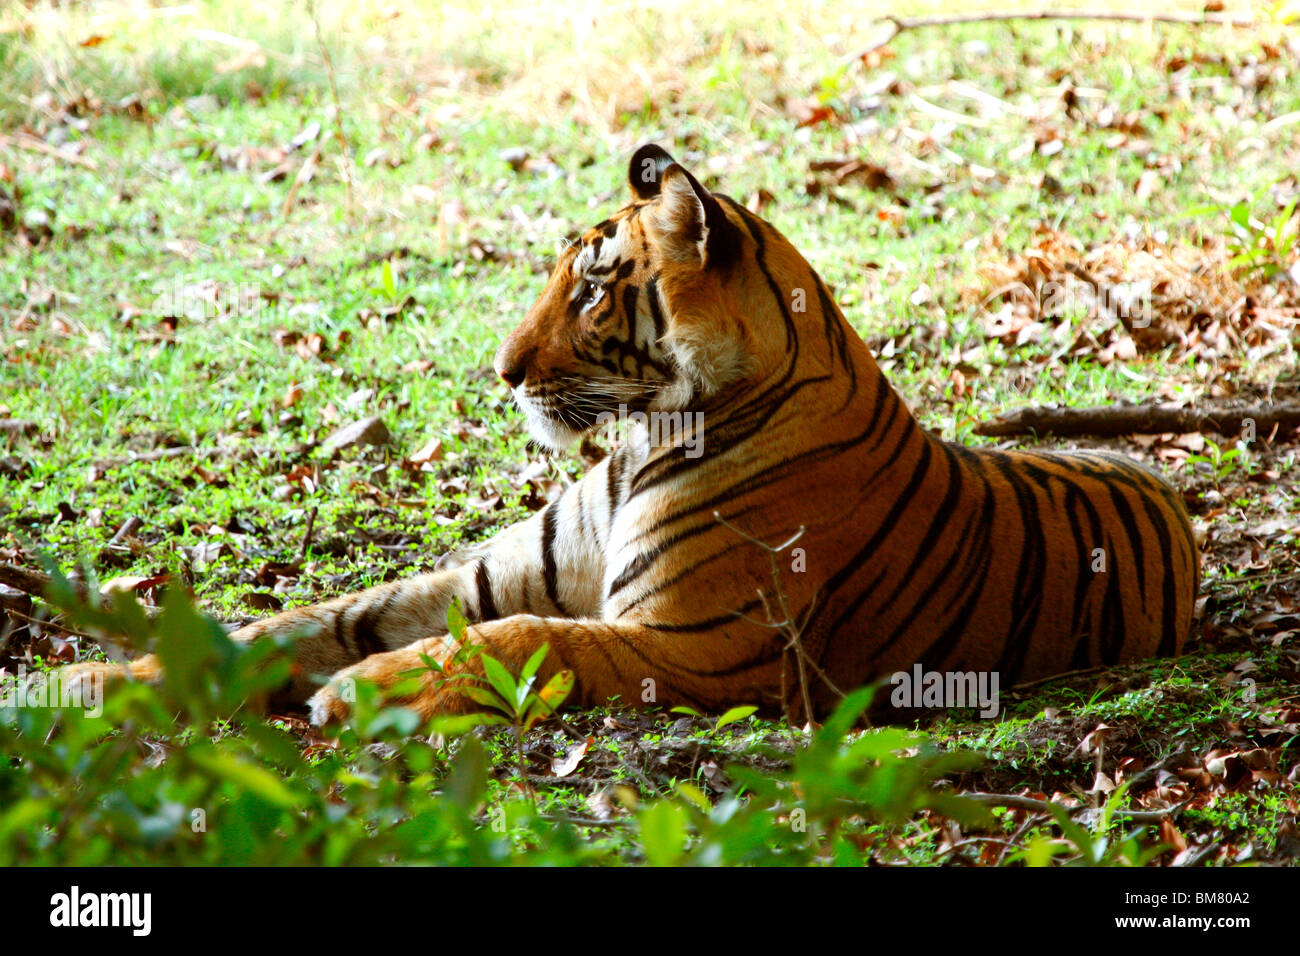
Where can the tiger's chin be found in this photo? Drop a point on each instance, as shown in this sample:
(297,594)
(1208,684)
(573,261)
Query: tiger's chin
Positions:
(547,431)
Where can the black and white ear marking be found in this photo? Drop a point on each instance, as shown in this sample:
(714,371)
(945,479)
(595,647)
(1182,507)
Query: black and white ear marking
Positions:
(645,170)
(689,218)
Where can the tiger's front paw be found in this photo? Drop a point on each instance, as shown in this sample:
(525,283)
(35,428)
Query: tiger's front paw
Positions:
(402,675)
(328,705)
(100,673)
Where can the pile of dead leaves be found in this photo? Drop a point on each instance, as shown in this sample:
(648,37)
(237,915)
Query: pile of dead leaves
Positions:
(1141,293)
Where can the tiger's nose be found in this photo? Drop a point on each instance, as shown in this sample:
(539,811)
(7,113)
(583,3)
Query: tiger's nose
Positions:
(509,368)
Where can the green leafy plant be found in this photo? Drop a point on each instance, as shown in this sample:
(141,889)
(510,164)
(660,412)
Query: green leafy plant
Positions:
(513,698)
(1222,462)
(817,810)
(732,716)
(189,772)
(1264,246)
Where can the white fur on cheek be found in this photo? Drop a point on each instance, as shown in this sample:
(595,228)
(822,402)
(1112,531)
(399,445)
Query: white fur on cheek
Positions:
(554,435)
(707,362)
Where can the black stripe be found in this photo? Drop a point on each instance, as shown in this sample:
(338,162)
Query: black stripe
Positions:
(979,556)
(729,434)
(487,606)
(1030,575)
(638,566)
(549,572)
(656,309)
(924,553)
(1113,630)
(365,630)
(663,583)
(615,472)
(1082,653)
(854,564)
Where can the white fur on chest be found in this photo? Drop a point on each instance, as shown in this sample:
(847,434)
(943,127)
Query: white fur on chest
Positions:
(631,531)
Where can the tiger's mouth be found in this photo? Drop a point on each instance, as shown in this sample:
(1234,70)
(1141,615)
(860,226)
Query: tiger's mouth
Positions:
(558,416)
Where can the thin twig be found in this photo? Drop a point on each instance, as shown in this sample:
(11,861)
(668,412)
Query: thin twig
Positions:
(901,24)
(786,625)
(1052,677)
(306,538)
(129,527)
(1156,767)
(31,143)
(305,173)
(583,821)
(54,624)
(1029,821)
(1015,801)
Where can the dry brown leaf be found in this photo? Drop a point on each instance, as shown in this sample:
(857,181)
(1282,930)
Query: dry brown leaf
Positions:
(563,766)
(430,452)
(1169,834)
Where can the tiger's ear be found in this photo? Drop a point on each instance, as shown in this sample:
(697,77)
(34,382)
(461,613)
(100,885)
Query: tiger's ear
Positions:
(690,223)
(645,170)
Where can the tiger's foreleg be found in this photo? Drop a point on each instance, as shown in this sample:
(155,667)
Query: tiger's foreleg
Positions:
(636,663)
(527,568)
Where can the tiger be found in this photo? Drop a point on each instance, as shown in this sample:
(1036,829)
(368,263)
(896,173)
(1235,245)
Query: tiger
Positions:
(796,535)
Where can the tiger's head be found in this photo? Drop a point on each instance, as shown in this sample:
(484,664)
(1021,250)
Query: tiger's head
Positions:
(655,309)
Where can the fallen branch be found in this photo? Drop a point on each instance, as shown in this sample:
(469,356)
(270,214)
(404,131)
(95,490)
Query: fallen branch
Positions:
(1015,801)
(35,583)
(1141,419)
(899,24)
(32,144)
(129,527)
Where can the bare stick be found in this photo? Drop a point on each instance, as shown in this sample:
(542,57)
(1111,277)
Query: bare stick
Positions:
(1174,755)
(976,841)
(29,142)
(1051,677)
(305,172)
(787,624)
(35,583)
(130,526)
(1142,419)
(1015,801)
(900,24)
(16,426)
(53,624)
(306,538)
